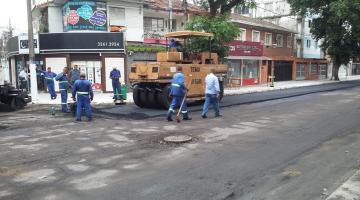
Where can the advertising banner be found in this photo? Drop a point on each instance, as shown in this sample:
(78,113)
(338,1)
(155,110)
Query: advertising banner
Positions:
(85,15)
(24,44)
(245,48)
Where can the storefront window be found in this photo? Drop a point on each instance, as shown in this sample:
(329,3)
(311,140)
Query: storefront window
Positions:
(313,69)
(234,70)
(300,71)
(250,68)
(322,71)
(356,69)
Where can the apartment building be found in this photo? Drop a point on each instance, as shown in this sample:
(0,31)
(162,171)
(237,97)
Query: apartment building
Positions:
(263,51)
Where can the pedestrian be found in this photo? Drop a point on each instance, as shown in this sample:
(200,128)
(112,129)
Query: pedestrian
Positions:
(74,74)
(84,93)
(63,87)
(178,93)
(115,76)
(23,77)
(49,77)
(212,92)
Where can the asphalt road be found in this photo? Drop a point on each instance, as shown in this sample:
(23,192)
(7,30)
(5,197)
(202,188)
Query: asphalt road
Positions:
(134,112)
(296,148)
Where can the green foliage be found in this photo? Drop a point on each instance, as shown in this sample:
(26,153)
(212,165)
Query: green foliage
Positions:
(224,6)
(145,48)
(221,26)
(337,22)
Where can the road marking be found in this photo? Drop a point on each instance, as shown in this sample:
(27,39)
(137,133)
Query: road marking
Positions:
(350,190)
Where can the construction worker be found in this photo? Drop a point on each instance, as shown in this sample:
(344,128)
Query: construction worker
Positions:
(74,74)
(49,77)
(178,92)
(115,76)
(82,89)
(23,77)
(212,92)
(63,87)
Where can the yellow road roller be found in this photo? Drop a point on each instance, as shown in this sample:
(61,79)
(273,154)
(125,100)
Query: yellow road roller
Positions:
(151,81)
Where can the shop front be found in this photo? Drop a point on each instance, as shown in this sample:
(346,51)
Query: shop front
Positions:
(95,54)
(310,69)
(246,64)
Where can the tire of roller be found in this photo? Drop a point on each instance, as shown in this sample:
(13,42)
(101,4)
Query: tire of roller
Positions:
(136,96)
(152,98)
(144,98)
(164,98)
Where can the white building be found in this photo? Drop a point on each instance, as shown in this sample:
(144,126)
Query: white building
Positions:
(49,15)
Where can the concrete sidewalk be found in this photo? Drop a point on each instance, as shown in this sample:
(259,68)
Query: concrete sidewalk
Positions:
(106,98)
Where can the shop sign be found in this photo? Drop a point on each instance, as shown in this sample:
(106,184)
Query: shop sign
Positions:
(85,15)
(70,42)
(245,48)
(24,44)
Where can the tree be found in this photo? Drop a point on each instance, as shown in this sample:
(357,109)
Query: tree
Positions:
(224,6)
(221,26)
(337,22)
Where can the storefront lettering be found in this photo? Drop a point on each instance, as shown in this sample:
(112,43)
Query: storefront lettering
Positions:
(195,69)
(108,44)
(244,48)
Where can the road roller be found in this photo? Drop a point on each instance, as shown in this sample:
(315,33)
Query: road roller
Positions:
(151,81)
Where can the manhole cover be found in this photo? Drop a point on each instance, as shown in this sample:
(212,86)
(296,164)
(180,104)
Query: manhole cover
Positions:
(178,138)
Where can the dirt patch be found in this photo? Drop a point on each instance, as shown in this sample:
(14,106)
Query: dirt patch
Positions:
(7,171)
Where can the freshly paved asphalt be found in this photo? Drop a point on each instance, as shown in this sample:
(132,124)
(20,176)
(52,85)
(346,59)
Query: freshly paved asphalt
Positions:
(133,112)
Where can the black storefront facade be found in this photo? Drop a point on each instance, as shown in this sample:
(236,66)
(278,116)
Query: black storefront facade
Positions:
(94,53)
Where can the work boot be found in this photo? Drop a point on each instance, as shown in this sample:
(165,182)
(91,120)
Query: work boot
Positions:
(169,119)
(186,116)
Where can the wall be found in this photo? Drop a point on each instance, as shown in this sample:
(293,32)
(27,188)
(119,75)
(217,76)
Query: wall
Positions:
(314,51)
(55,19)
(133,18)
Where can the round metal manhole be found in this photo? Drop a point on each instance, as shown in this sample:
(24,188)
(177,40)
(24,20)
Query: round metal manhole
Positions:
(178,138)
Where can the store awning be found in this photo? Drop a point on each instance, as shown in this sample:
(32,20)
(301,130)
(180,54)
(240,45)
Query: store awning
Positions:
(248,58)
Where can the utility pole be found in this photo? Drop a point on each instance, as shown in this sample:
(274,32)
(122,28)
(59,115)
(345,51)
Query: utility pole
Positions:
(170,15)
(32,66)
(185,5)
(302,36)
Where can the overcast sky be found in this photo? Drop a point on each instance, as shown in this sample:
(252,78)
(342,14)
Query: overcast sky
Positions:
(15,10)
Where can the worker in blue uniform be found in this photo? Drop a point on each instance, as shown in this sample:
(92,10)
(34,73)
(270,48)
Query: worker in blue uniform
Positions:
(178,92)
(49,78)
(84,93)
(115,76)
(63,87)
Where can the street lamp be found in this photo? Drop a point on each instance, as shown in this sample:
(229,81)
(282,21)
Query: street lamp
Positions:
(32,66)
